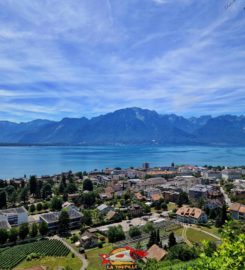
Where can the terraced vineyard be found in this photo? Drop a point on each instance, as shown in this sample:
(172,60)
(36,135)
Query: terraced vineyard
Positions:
(11,257)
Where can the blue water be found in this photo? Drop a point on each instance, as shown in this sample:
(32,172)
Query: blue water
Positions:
(40,160)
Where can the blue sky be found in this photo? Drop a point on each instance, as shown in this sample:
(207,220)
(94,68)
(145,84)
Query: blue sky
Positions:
(61,58)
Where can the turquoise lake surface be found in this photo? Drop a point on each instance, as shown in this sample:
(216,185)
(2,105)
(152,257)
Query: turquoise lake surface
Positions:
(15,161)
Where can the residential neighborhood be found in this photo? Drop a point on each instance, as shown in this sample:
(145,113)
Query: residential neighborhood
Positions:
(91,210)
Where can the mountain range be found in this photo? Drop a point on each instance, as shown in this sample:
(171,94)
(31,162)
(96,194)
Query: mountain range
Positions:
(128,126)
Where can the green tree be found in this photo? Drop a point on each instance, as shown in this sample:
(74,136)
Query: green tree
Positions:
(62,185)
(23,230)
(222,217)
(33,185)
(71,188)
(152,239)
(43,228)
(87,218)
(87,185)
(39,207)
(13,234)
(13,197)
(148,227)
(46,191)
(64,220)
(182,252)
(45,205)
(24,194)
(3,199)
(183,198)
(115,233)
(32,208)
(3,236)
(88,199)
(34,230)
(164,206)
(56,203)
(230,254)
(171,240)
(134,232)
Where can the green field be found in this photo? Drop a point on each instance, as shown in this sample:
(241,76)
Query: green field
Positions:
(171,206)
(94,258)
(211,229)
(52,263)
(175,264)
(11,257)
(196,236)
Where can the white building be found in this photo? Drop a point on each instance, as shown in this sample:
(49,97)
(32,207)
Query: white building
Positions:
(14,216)
(231,174)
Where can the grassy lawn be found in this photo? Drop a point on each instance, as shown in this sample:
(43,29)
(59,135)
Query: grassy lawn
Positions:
(196,236)
(211,229)
(52,263)
(171,206)
(178,232)
(175,264)
(94,258)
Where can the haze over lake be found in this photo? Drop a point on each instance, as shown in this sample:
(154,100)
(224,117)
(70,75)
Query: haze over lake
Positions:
(41,160)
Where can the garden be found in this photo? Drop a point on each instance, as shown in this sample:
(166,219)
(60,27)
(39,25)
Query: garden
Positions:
(11,257)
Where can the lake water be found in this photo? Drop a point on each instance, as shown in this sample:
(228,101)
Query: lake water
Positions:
(41,160)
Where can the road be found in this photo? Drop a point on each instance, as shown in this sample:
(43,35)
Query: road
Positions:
(80,256)
(184,236)
(227,199)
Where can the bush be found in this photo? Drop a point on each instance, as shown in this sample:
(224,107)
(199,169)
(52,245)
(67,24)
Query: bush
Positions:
(45,205)
(34,256)
(32,208)
(182,252)
(100,245)
(115,233)
(39,207)
(74,238)
(102,238)
(134,232)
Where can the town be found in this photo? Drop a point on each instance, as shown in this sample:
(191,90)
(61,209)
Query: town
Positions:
(89,213)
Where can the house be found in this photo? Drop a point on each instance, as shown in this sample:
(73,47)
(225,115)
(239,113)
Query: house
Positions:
(14,216)
(88,240)
(135,210)
(52,219)
(171,196)
(112,215)
(199,191)
(191,215)
(187,170)
(214,203)
(73,196)
(104,209)
(152,191)
(161,173)
(237,211)
(156,253)
(231,174)
(68,205)
(156,197)
(211,174)
(150,183)
(139,196)
(4,224)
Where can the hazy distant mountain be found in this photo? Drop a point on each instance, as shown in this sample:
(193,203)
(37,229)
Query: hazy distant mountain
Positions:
(128,126)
